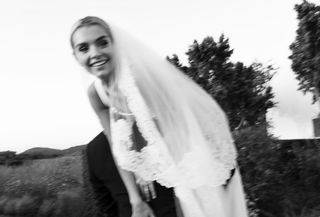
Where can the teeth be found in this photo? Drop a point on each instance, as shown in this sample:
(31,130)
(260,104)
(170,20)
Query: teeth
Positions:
(99,63)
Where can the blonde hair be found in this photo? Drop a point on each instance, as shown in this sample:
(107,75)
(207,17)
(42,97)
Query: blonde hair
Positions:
(89,21)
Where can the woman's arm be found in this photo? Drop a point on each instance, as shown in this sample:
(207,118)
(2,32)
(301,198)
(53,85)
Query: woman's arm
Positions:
(102,112)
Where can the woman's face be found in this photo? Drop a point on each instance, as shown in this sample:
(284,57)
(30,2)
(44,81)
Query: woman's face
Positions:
(93,49)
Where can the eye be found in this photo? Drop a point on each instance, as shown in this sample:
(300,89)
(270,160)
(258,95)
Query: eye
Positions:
(83,48)
(103,43)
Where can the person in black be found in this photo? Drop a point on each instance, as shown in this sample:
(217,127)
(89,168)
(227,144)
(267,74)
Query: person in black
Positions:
(109,191)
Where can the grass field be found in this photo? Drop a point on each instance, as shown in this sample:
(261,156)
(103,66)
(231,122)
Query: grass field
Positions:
(46,187)
(281,179)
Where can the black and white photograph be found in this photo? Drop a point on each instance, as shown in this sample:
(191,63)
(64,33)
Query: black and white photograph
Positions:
(194,108)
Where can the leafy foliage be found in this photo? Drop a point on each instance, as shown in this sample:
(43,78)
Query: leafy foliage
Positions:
(242,91)
(306,48)
(281,177)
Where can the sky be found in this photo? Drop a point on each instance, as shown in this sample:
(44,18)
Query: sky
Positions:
(44,104)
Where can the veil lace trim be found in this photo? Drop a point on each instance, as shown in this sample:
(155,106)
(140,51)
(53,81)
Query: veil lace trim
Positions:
(198,167)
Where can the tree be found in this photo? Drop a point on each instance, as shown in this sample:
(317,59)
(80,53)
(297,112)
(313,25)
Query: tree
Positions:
(242,91)
(306,49)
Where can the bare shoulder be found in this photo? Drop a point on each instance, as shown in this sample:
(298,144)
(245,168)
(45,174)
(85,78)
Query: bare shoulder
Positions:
(95,99)
(91,91)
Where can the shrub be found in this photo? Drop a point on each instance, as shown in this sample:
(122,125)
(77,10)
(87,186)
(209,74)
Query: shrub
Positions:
(27,206)
(3,202)
(10,207)
(47,208)
(69,203)
(280,177)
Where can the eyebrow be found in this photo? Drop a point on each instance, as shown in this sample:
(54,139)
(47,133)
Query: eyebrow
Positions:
(103,37)
(98,39)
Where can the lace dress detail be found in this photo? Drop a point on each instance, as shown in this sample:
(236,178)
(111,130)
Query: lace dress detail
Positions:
(154,162)
(150,160)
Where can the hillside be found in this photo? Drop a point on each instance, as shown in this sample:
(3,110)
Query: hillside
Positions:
(42,151)
(73,151)
(50,152)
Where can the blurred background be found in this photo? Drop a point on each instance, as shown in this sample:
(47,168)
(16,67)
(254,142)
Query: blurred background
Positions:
(259,59)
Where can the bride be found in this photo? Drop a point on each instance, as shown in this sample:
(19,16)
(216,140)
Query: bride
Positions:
(162,126)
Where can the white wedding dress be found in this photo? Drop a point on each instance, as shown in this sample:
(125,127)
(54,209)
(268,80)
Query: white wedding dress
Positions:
(196,200)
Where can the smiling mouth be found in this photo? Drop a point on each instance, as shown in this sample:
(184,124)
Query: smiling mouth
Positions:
(99,63)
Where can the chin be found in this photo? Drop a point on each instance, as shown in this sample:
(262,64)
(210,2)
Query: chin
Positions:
(102,75)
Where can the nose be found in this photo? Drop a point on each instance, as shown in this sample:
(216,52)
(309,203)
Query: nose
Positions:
(94,52)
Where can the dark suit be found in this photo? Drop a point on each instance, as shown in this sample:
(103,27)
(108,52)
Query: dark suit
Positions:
(110,192)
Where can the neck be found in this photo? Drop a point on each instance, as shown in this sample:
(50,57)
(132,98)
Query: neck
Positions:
(109,83)
(108,79)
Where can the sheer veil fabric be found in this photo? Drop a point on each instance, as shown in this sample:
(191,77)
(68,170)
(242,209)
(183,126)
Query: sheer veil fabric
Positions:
(188,144)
